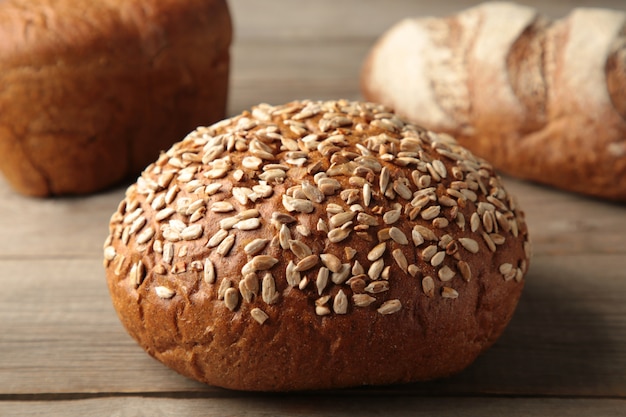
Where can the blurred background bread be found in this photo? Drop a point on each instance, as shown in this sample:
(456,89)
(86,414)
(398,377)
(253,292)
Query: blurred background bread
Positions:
(92,90)
(541,99)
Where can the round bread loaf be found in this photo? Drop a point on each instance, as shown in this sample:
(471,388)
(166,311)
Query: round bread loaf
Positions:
(316,245)
(92,90)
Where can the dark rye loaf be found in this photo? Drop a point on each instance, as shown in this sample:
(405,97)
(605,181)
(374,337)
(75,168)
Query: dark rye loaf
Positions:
(316,245)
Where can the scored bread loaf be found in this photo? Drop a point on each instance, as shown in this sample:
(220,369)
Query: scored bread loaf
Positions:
(541,100)
(316,245)
(92,90)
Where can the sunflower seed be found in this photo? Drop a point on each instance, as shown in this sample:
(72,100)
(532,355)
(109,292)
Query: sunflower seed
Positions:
(475,222)
(377,251)
(297,204)
(268,289)
(340,219)
(300,249)
(164,292)
(357,268)
(446,273)
(137,273)
(164,214)
(109,253)
(252,162)
(398,236)
(390,307)
(341,276)
(209,271)
(217,238)
(255,246)
(401,260)
(322,279)
(224,285)
(337,235)
(307,263)
(428,286)
(259,315)
(284,236)
(375,269)
(430,213)
(391,216)
(447,292)
(340,303)
(367,219)
(192,232)
(226,245)
(470,244)
(402,190)
(249,287)
(362,300)
(367,194)
(168,252)
(490,243)
(231,298)
(248,224)
(293,276)
(465,270)
(331,262)
(426,233)
(418,239)
(227,223)
(429,252)
(145,235)
(384,179)
(438,258)
(312,192)
(376,287)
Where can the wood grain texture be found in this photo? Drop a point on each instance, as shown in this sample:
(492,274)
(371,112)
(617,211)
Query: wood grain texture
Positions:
(316,406)
(63,351)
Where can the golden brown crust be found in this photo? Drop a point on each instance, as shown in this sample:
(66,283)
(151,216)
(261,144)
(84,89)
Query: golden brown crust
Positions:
(316,245)
(92,91)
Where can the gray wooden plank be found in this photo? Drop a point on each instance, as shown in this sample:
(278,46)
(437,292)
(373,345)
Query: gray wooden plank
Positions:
(317,405)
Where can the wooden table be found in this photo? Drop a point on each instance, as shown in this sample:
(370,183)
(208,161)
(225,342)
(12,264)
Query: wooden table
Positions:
(63,351)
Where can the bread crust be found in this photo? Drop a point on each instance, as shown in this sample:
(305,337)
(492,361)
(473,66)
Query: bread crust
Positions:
(291,303)
(92,91)
(541,98)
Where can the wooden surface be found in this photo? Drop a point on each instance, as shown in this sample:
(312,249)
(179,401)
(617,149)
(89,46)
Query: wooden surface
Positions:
(63,351)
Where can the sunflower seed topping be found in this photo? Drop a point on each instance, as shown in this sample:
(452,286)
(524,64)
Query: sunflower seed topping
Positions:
(390,307)
(164,292)
(268,289)
(340,303)
(428,286)
(217,238)
(368,184)
(337,235)
(259,315)
(231,298)
(376,287)
(362,300)
(208,271)
(307,263)
(401,260)
(447,292)
(470,244)
(377,251)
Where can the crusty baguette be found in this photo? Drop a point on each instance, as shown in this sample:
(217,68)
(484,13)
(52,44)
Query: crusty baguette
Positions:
(92,90)
(541,100)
